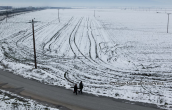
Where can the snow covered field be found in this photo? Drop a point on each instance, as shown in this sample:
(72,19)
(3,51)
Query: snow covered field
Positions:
(9,101)
(122,54)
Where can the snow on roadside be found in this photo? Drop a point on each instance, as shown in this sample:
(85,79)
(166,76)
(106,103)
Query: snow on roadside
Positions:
(10,101)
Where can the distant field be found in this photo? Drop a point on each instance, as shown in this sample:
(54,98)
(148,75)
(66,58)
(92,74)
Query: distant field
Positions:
(118,53)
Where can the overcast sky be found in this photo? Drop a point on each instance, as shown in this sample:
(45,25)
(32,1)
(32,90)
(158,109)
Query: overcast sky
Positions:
(85,3)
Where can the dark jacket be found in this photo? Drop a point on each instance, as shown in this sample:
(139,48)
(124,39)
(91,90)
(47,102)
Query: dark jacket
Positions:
(80,85)
(75,88)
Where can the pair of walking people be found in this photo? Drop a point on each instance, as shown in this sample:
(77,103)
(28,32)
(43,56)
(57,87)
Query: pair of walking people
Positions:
(80,87)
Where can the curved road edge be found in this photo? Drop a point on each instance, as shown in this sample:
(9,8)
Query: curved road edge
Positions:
(65,98)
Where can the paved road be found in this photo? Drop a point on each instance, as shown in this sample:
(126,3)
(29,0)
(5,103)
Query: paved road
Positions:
(61,96)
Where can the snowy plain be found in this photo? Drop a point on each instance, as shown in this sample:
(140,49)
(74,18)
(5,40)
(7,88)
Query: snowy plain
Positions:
(123,54)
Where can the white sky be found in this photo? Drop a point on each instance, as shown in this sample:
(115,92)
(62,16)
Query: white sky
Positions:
(71,3)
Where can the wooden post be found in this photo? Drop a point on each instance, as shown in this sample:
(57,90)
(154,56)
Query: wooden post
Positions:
(168,21)
(94,13)
(34,44)
(58,15)
(6,18)
(6,14)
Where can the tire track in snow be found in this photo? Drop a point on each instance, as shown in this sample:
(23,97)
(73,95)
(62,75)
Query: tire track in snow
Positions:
(81,59)
(58,33)
(72,37)
(64,37)
(18,40)
(105,64)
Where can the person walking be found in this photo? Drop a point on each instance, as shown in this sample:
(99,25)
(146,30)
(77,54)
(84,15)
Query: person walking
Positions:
(75,89)
(81,86)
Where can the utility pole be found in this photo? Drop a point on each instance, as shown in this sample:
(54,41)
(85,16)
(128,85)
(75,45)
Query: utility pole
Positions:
(94,13)
(58,15)
(34,44)
(168,21)
(6,14)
